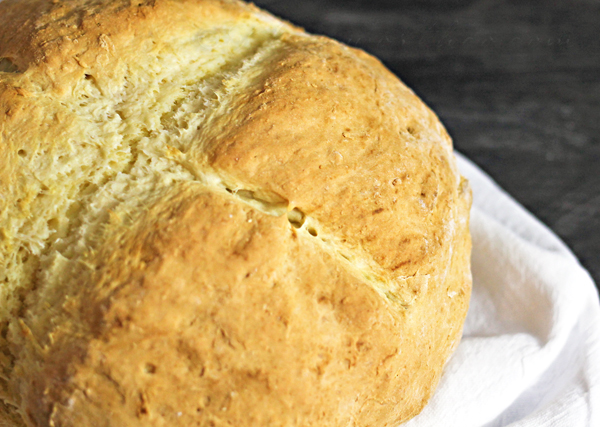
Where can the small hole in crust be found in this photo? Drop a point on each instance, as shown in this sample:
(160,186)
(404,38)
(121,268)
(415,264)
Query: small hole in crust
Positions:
(149,368)
(88,77)
(22,153)
(296,218)
(312,231)
(8,66)
(53,223)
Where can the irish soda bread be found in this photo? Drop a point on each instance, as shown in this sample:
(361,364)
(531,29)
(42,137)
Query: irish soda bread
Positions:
(210,218)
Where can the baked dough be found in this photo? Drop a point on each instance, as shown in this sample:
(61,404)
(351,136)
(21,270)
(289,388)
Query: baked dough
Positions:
(210,218)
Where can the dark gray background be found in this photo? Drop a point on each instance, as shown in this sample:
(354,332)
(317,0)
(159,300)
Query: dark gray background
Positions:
(517,84)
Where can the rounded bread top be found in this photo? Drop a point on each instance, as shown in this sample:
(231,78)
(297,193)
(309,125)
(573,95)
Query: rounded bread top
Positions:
(145,145)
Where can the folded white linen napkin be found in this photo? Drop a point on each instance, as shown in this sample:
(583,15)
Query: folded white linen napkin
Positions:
(530,354)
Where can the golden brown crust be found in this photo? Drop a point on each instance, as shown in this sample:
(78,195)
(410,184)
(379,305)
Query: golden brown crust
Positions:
(312,92)
(220,222)
(62,35)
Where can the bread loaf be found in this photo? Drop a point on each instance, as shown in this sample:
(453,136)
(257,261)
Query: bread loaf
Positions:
(210,218)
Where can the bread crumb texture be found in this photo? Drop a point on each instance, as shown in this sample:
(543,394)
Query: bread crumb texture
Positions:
(211,218)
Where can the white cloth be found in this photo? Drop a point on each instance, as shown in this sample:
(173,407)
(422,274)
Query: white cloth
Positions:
(530,354)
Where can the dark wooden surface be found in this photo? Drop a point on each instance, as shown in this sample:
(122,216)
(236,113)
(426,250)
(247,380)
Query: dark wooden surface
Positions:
(517,84)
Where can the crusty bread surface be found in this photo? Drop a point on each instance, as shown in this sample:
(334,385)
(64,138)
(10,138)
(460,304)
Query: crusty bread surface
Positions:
(210,218)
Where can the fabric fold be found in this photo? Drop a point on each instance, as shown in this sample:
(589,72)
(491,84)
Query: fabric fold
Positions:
(530,354)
